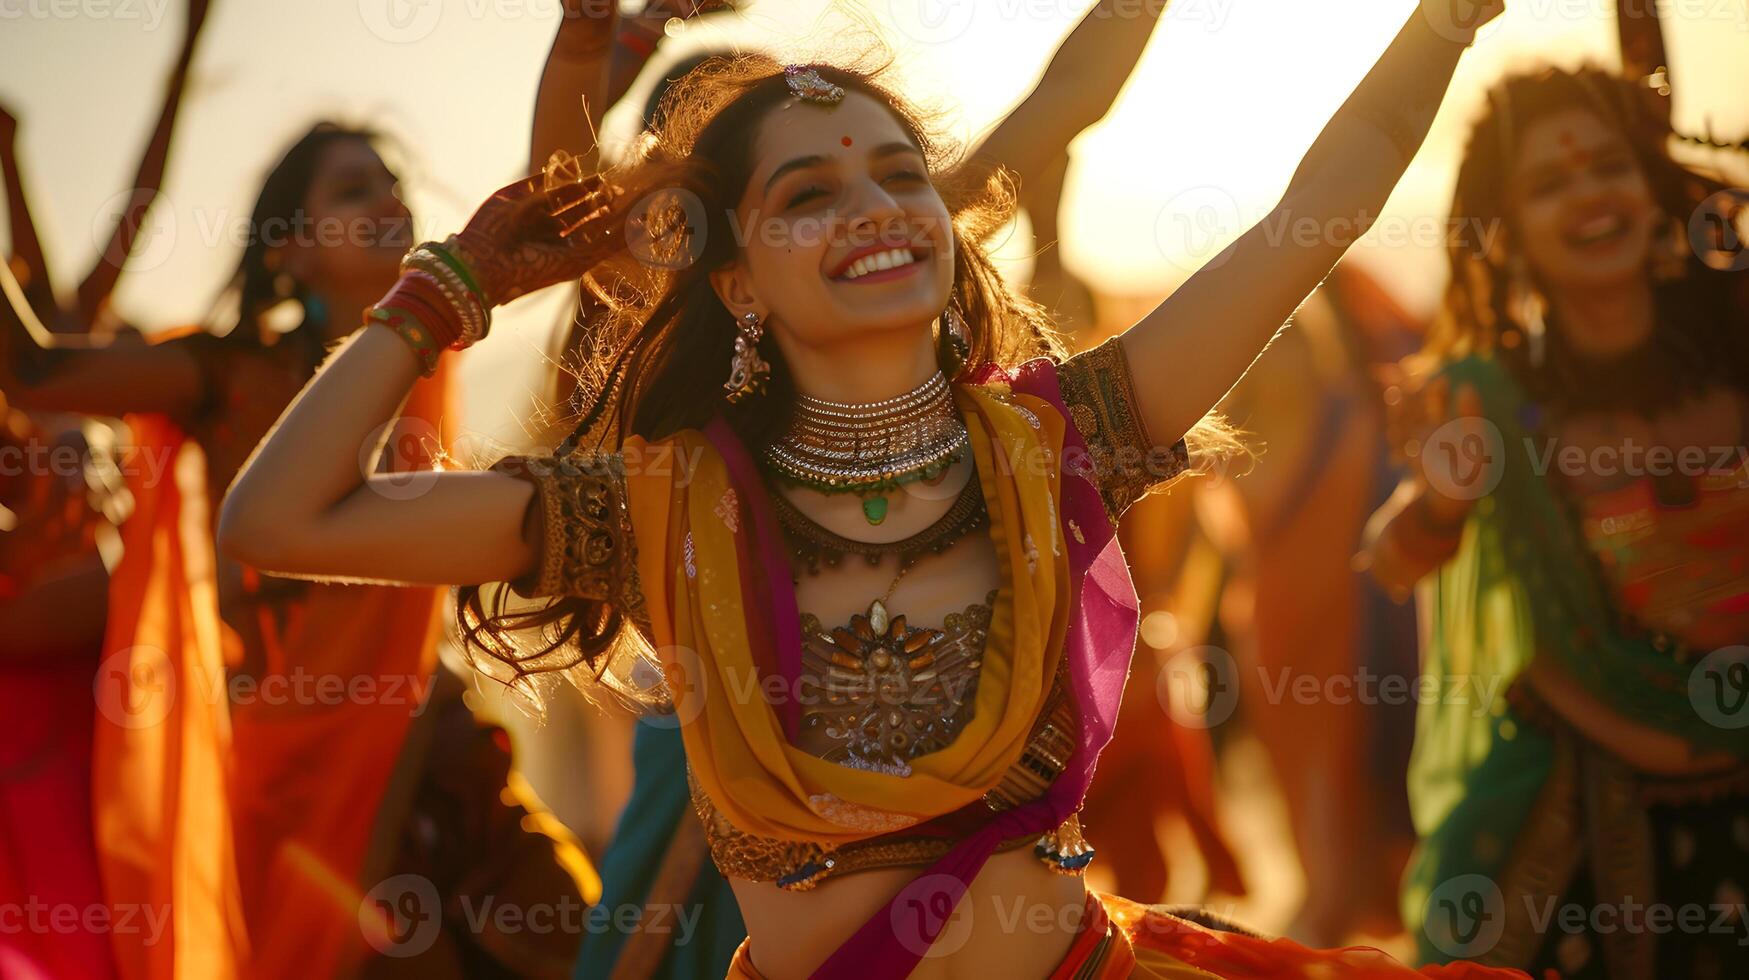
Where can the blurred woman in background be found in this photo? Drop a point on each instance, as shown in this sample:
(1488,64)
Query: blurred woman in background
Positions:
(233,787)
(1580,604)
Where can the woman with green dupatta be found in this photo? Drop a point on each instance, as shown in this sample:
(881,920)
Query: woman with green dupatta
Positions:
(1580,779)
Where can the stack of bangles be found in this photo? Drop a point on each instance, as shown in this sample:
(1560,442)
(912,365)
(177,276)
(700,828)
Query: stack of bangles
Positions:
(435,305)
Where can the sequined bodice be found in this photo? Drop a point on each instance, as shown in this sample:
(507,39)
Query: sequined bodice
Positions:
(1678,567)
(880,692)
(894,713)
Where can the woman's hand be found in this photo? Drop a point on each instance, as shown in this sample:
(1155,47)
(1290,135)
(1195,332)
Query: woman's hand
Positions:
(1421,526)
(1427,428)
(533,233)
(1461,20)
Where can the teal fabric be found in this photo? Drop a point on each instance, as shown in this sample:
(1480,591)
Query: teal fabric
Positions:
(709,928)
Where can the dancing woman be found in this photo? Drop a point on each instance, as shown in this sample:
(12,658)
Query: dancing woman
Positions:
(946,498)
(659,858)
(244,833)
(1585,599)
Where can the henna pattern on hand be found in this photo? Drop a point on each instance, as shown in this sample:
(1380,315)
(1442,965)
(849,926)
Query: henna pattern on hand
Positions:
(540,230)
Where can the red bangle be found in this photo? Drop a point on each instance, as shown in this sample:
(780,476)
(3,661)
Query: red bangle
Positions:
(432,318)
(429,318)
(428,291)
(417,296)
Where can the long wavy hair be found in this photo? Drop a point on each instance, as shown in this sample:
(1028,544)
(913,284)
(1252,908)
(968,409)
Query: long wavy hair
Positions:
(1484,310)
(658,341)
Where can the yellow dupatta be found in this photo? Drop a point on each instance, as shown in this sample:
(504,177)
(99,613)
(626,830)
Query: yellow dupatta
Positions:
(696,549)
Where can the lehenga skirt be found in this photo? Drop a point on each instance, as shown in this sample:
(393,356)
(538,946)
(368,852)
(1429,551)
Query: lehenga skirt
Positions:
(1121,938)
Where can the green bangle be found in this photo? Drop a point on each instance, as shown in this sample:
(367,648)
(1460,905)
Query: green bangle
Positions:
(443,250)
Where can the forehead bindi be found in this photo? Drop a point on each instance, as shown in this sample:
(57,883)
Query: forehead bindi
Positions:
(1571,140)
(798,130)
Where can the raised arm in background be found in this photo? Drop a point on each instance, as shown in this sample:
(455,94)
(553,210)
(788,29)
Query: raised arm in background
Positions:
(573,87)
(1076,90)
(1208,332)
(596,55)
(30,264)
(127,375)
(100,282)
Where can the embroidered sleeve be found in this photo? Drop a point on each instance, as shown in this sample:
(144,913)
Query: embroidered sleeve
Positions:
(1125,460)
(579,526)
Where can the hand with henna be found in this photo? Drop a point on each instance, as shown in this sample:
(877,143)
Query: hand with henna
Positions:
(537,232)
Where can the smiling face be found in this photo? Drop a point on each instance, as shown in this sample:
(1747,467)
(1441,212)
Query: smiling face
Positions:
(842,234)
(1585,213)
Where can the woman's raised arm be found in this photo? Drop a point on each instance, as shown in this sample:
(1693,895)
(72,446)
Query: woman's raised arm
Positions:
(304,504)
(94,292)
(1210,330)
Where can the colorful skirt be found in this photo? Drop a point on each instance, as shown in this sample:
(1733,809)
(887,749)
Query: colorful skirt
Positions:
(1122,938)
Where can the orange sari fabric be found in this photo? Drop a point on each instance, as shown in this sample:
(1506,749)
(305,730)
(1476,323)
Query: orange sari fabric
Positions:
(245,811)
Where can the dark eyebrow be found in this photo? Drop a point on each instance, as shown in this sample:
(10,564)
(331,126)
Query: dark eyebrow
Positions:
(814,160)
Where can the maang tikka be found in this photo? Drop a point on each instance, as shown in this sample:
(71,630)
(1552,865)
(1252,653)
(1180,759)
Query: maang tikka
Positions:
(806,83)
(747,370)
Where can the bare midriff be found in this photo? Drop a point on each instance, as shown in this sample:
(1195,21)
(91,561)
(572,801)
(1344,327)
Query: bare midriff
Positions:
(1017,919)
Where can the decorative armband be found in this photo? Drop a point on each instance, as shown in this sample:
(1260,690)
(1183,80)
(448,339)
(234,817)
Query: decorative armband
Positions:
(580,527)
(1125,462)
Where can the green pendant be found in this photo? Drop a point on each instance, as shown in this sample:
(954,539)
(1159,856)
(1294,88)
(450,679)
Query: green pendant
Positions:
(874,509)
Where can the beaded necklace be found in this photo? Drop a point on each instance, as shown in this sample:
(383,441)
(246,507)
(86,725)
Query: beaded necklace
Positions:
(871,449)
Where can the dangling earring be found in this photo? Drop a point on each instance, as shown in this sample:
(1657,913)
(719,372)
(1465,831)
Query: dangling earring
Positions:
(954,348)
(1528,308)
(1670,251)
(286,310)
(747,370)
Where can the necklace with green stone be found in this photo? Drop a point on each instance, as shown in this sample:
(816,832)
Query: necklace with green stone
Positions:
(871,449)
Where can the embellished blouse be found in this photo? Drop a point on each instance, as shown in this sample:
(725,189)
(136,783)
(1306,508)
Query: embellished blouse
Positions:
(1676,568)
(906,689)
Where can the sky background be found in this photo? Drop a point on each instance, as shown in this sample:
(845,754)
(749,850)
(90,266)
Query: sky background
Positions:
(1203,138)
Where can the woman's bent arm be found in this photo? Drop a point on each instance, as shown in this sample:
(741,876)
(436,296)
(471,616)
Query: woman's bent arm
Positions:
(1218,322)
(304,506)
